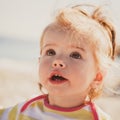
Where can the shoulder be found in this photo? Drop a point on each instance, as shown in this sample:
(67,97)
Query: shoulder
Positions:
(10,113)
(33,102)
(13,112)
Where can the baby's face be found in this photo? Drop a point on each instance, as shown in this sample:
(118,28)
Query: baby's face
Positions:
(66,67)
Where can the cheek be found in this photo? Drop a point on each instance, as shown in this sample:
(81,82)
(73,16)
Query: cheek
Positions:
(43,63)
(82,73)
(44,66)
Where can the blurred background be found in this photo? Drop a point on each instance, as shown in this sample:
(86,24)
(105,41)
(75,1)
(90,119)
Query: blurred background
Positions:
(21,24)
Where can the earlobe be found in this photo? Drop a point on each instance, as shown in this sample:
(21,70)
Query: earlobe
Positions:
(96,85)
(98,80)
(99,76)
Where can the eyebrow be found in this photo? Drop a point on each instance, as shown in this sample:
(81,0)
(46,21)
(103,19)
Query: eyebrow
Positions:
(77,47)
(73,46)
(46,45)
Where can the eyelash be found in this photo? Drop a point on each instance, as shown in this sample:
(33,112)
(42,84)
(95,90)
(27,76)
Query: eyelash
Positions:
(50,52)
(75,55)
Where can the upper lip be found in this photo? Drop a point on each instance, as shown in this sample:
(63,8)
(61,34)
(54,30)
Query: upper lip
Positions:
(57,73)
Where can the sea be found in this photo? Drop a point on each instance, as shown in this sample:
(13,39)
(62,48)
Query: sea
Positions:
(19,50)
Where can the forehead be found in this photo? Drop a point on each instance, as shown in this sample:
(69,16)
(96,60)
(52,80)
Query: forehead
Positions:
(73,36)
(85,31)
(65,37)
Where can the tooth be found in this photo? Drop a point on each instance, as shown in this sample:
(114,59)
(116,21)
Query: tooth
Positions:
(57,75)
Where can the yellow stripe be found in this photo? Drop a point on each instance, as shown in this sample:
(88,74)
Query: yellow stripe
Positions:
(24,117)
(79,114)
(13,113)
(38,104)
(1,112)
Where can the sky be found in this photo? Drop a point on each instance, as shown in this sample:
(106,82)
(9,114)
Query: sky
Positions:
(25,19)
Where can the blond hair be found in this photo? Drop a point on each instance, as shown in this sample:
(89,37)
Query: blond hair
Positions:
(77,21)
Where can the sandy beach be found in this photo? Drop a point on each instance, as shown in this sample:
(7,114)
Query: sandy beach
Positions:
(19,82)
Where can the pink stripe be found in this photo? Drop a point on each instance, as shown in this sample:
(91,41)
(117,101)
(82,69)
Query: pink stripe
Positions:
(30,101)
(63,109)
(94,111)
(24,107)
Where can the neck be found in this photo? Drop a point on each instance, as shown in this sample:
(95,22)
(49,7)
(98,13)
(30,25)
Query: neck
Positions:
(66,101)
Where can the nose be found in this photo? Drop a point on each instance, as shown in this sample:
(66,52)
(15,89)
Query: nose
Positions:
(58,64)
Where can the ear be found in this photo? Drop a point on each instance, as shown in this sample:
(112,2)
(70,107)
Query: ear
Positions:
(100,75)
(98,79)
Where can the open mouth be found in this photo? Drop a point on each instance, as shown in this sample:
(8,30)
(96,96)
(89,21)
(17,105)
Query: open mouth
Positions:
(56,78)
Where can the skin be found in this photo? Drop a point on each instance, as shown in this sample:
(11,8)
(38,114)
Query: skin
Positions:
(71,60)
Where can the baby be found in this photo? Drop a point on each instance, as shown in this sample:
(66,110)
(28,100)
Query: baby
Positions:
(77,49)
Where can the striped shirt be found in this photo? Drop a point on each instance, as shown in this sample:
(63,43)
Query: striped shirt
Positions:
(39,108)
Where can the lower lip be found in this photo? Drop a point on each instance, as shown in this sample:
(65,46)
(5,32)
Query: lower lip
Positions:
(57,81)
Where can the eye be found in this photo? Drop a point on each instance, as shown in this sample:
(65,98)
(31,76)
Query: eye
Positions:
(50,52)
(75,55)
